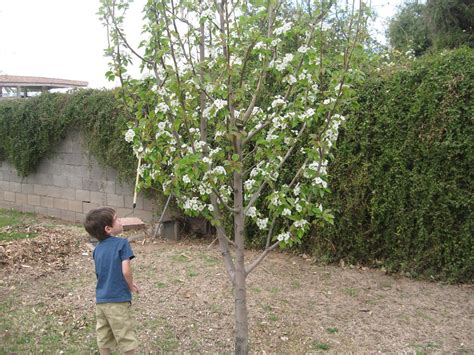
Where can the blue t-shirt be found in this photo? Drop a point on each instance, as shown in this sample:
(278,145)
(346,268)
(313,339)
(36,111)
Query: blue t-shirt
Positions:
(108,256)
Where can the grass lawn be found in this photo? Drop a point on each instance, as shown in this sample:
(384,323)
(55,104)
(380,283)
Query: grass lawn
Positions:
(16,225)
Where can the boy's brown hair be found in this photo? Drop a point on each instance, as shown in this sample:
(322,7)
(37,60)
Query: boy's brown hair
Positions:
(96,221)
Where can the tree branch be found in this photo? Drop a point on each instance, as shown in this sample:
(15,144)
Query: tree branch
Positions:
(262,256)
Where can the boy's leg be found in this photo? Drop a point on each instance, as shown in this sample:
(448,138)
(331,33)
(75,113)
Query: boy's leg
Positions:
(119,316)
(105,336)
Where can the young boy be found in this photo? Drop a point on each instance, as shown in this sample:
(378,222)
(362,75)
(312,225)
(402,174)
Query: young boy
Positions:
(114,282)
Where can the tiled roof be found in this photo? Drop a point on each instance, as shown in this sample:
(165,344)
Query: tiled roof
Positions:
(35,81)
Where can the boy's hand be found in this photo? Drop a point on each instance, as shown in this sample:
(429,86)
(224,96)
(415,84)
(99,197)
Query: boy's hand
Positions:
(135,288)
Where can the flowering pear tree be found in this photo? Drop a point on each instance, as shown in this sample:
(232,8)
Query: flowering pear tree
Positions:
(237,112)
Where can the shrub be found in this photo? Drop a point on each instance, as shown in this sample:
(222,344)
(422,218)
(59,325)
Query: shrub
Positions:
(402,173)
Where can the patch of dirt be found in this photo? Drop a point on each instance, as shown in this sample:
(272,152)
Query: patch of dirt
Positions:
(186,302)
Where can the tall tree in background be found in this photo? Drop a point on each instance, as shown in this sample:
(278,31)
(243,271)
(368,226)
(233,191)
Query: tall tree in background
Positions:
(238,113)
(408,30)
(450,23)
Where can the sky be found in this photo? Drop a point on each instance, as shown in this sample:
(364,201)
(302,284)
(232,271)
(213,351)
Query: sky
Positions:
(65,38)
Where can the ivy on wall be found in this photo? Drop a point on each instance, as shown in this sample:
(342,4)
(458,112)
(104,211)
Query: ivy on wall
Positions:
(31,129)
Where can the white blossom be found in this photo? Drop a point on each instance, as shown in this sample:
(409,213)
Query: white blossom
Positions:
(162,107)
(186,179)
(219,134)
(283,29)
(303,49)
(329,101)
(290,79)
(286,212)
(300,223)
(283,236)
(278,102)
(297,189)
(219,104)
(262,223)
(193,204)
(213,152)
(319,181)
(129,135)
(219,170)
(252,212)
(249,184)
(275,200)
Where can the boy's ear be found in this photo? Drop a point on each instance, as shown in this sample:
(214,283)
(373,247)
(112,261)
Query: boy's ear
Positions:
(107,229)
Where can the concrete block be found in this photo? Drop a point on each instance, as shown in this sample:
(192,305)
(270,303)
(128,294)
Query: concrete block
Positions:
(26,208)
(91,185)
(9,196)
(34,200)
(5,204)
(27,188)
(68,215)
(56,169)
(15,186)
(149,205)
(60,204)
(110,174)
(122,212)
(47,201)
(83,195)
(68,193)
(54,212)
(80,217)
(21,199)
(145,216)
(60,180)
(87,206)
(2,195)
(45,167)
(75,206)
(98,197)
(108,186)
(74,182)
(4,186)
(115,200)
(44,179)
(54,191)
(41,190)
(41,210)
(123,188)
(97,173)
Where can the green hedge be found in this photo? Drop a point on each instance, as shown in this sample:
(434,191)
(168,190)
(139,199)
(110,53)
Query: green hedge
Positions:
(403,171)
(31,129)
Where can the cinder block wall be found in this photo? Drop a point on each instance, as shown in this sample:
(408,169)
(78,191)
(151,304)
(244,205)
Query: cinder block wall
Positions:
(68,184)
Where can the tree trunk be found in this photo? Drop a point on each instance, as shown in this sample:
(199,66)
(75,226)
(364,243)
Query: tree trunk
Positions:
(240,290)
(241,319)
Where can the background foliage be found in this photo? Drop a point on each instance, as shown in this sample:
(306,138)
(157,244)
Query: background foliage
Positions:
(402,173)
(434,26)
(31,129)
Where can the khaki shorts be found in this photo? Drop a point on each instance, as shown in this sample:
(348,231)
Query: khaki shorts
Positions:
(115,326)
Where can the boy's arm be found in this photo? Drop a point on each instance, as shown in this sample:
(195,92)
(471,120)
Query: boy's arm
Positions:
(127,274)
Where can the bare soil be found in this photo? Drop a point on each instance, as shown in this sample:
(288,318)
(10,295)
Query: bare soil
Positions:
(186,305)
